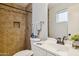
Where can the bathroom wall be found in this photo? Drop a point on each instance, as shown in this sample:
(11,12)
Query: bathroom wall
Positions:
(40,13)
(29,26)
(12,30)
(73,27)
(29,32)
(55,29)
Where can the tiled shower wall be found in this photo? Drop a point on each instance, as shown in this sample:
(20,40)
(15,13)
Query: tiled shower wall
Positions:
(12,30)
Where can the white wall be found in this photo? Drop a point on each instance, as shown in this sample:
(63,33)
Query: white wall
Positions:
(73,25)
(40,13)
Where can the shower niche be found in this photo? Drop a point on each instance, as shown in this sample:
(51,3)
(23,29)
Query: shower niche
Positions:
(16,24)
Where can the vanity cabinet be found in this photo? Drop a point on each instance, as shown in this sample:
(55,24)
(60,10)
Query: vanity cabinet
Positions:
(40,52)
(49,54)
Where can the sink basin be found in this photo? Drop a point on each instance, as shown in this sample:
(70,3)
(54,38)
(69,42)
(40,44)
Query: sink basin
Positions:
(57,47)
(39,43)
(62,49)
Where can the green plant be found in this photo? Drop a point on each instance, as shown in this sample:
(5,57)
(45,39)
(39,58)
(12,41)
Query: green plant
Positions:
(75,37)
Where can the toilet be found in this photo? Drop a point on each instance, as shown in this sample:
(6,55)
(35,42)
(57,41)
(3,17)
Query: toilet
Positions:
(27,52)
(24,53)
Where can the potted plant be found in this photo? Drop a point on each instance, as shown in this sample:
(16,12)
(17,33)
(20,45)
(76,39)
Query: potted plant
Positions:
(75,39)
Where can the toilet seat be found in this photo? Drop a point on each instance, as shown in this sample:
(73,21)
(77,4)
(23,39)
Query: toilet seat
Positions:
(24,53)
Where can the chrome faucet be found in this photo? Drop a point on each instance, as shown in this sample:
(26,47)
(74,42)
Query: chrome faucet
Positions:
(61,40)
(58,40)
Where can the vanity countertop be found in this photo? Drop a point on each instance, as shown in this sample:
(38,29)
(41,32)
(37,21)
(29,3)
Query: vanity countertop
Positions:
(57,49)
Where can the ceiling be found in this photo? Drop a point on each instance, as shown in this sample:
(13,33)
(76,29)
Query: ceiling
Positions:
(22,4)
(51,5)
(18,5)
(27,6)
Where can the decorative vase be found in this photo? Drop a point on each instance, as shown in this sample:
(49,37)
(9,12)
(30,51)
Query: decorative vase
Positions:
(75,44)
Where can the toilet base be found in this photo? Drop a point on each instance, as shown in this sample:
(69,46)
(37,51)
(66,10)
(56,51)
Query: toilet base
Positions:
(24,53)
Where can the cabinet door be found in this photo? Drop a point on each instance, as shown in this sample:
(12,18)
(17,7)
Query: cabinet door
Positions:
(41,52)
(49,54)
(38,51)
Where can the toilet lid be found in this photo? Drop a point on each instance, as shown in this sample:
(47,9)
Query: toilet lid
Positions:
(24,53)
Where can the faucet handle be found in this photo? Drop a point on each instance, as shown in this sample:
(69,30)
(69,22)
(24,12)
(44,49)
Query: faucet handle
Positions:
(65,37)
(58,40)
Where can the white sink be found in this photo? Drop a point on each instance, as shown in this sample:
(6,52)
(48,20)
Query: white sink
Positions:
(39,43)
(56,47)
(35,39)
(62,50)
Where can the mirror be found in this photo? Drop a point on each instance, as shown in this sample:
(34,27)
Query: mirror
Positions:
(63,19)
